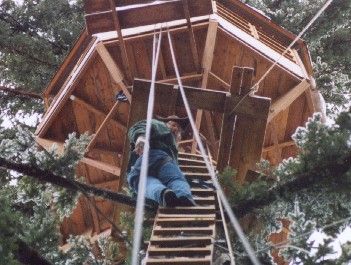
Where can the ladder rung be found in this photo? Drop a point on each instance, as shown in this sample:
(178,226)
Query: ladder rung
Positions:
(197,176)
(188,210)
(183,230)
(186,161)
(180,252)
(180,261)
(193,168)
(195,216)
(181,222)
(180,241)
(202,192)
(204,201)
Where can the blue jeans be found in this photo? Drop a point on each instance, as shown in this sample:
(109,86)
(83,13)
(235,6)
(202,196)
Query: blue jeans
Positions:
(168,176)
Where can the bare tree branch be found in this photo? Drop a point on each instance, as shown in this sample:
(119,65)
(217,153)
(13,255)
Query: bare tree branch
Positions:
(298,183)
(20,93)
(27,255)
(48,177)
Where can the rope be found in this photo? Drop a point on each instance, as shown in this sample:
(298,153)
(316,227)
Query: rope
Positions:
(220,192)
(225,227)
(139,211)
(254,88)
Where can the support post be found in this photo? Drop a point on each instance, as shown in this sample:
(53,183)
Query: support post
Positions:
(122,44)
(241,82)
(206,66)
(193,46)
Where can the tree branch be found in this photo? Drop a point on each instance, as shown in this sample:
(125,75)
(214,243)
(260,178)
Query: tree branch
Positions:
(30,30)
(48,177)
(19,51)
(20,93)
(27,255)
(300,182)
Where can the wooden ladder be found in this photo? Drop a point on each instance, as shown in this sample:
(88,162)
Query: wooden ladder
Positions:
(186,235)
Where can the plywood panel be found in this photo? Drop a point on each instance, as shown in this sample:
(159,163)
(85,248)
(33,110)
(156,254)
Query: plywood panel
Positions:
(140,16)
(60,127)
(295,118)
(142,59)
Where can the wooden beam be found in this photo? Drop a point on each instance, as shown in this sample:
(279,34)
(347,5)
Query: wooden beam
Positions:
(47,144)
(220,80)
(277,152)
(102,166)
(193,46)
(90,201)
(113,68)
(249,133)
(65,92)
(285,101)
(241,82)
(102,126)
(184,78)
(122,44)
(107,184)
(70,61)
(146,15)
(298,60)
(206,66)
(149,33)
(279,145)
(198,98)
(93,109)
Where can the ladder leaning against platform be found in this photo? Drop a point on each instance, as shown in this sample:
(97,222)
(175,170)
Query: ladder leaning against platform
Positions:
(186,235)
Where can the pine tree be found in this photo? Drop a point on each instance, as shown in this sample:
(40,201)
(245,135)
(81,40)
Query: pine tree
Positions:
(312,190)
(328,40)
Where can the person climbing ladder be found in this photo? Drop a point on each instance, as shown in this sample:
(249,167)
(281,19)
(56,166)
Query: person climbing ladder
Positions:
(166,184)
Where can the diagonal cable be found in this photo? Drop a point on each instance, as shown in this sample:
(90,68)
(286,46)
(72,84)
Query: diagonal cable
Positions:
(139,211)
(234,221)
(254,88)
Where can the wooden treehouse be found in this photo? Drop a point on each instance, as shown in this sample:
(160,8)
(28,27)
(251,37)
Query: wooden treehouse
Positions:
(222,48)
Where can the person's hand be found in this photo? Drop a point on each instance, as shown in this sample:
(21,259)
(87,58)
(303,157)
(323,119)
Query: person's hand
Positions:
(139,145)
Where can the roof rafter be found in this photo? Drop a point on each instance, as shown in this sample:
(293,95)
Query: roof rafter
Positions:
(285,101)
(113,68)
(93,109)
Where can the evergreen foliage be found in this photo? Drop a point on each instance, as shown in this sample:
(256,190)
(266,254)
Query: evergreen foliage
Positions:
(328,40)
(36,36)
(320,200)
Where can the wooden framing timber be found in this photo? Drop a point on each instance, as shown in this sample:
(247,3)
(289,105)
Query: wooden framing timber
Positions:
(93,109)
(113,68)
(223,83)
(64,93)
(193,46)
(285,101)
(241,82)
(94,6)
(184,77)
(69,63)
(114,170)
(47,144)
(250,131)
(207,60)
(146,15)
(279,145)
(121,41)
(102,126)
(150,33)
